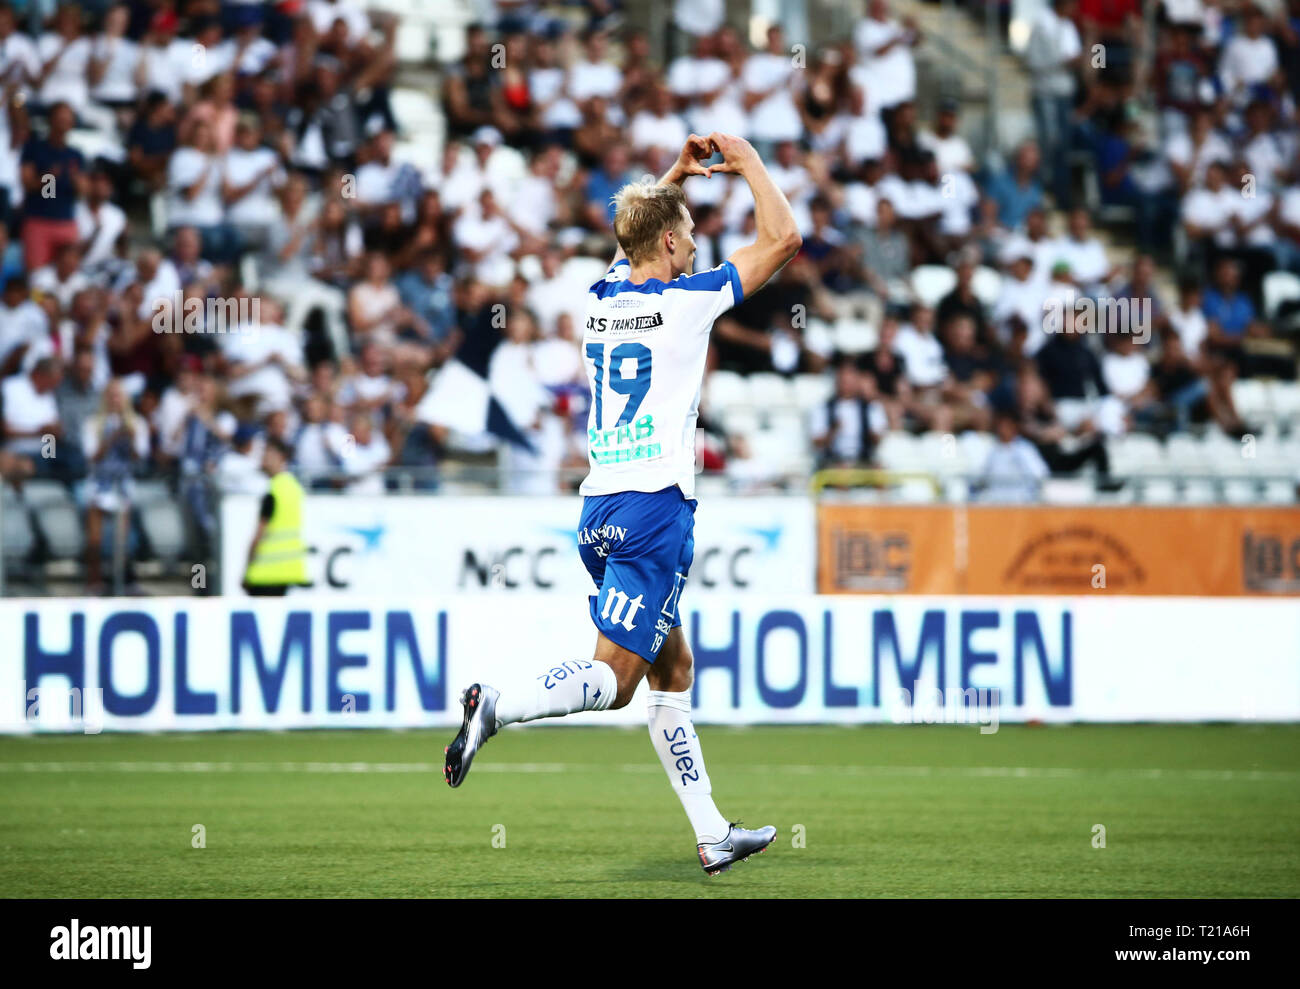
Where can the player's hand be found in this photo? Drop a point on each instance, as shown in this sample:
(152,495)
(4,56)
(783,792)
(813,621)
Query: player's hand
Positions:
(737,153)
(696,150)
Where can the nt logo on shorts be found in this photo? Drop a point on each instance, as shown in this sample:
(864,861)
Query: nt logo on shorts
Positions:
(616,603)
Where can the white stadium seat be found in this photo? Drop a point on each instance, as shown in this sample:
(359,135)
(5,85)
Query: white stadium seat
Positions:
(415,111)
(986,283)
(1198,491)
(854,336)
(931,282)
(812,390)
(900,451)
(740,420)
(1160,491)
(1251,397)
(1279,287)
(1280,492)
(726,389)
(1136,453)
(819,337)
(1286,401)
(767,390)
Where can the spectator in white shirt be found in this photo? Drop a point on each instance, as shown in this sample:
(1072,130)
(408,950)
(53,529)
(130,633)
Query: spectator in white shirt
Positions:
(64,54)
(1090,268)
(951,150)
(20,65)
(364,456)
(1250,58)
(32,428)
(1053,54)
(1019,307)
(1188,318)
(1126,369)
(768,80)
(265,360)
(165,58)
(100,222)
(114,60)
(847,428)
(1208,211)
(62,278)
(251,174)
(1190,153)
(657,125)
(22,323)
(1014,471)
(887,70)
(195,200)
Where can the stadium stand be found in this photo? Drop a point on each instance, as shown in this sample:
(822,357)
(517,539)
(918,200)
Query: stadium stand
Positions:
(360,220)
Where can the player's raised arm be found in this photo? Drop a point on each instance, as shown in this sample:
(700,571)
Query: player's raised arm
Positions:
(778,237)
(696,150)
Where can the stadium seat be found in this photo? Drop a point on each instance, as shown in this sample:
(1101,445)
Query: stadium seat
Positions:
(941,453)
(768,390)
(1224,454)
(1252,399)
(915,491)
(17,537)
(39,494)
(164,526)
(1067,491)
(986,283)
(931,282)
(415,111)
(1279,287)
(1136,453)
(413,43)
(819,337)
(900,451)
(61,525)
(582,272)
(975,449)
(1199,491)
(1286,401)
(1185,453)
(1240,491)
(740,420)
(956,490)
(1280,492)
(854,336)
(1159,491)
(726,389)
(812,390)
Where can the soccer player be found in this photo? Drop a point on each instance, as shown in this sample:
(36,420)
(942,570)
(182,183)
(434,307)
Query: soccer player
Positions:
(645,343)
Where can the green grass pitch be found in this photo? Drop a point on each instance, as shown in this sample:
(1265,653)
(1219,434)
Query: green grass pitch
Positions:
(902,811)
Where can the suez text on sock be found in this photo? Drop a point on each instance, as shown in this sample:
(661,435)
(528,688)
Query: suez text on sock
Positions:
(678,737)
(101,943)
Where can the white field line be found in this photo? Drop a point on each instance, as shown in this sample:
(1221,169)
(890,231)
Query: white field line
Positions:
(973,772)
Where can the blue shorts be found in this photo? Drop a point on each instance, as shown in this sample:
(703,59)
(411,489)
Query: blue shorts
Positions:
(638,549)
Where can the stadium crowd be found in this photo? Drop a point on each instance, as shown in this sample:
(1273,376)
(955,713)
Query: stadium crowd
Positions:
(215,231)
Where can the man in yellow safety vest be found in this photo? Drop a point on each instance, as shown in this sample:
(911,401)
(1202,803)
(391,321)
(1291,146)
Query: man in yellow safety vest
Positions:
(277,557)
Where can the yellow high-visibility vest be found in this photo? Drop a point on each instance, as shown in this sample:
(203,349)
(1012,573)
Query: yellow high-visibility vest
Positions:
(281,554)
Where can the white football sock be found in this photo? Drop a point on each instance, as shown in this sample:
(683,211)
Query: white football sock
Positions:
(574,685)
(679,750)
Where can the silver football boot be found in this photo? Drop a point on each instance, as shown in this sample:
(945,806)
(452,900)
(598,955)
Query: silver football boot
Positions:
(480,724)
(739,845)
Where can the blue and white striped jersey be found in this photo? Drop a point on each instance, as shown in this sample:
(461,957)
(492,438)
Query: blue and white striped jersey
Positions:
(644,348)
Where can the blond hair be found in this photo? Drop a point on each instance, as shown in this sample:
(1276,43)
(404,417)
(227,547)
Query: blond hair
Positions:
(643,212)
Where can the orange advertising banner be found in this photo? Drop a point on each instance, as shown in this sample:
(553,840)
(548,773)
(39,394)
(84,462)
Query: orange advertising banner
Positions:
(1213,551)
